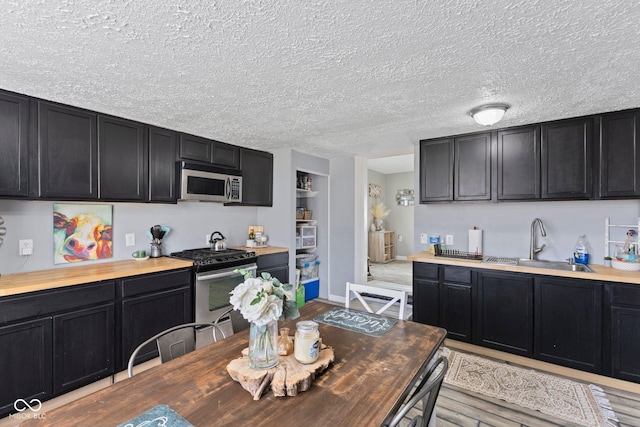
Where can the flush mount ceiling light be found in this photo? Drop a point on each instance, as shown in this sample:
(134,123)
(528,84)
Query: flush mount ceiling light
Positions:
(489,114)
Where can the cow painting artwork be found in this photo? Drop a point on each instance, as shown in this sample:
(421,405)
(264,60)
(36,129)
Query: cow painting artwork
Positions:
(82,232)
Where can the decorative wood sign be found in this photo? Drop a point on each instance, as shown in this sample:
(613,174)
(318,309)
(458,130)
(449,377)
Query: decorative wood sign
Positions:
(375,191)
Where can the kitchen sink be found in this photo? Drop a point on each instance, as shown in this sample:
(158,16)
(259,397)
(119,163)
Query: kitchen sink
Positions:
(553,265)
(535,263)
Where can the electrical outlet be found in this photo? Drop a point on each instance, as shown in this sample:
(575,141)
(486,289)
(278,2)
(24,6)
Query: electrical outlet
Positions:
(130,239)
(208,239)
(449,240)
(25,247)
(399,237)
(424,238)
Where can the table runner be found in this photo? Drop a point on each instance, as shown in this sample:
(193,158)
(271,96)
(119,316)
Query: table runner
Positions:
(356,321)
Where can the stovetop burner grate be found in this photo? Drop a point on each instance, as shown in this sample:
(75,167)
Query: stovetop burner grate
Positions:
(206,259)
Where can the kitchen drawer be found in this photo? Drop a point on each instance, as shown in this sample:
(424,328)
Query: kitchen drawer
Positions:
(52,301)
(154,282)
(272,260)
(425,270)
(625,294)
(456,274)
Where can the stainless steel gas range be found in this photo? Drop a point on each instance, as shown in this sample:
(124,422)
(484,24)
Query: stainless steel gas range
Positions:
(216,276)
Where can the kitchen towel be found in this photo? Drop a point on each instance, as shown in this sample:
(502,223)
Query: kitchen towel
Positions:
(475,241)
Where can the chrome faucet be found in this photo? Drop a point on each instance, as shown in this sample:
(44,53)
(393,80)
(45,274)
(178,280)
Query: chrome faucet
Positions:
(532,243)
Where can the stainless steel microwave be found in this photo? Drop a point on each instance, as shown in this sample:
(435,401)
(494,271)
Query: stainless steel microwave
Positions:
(207,183)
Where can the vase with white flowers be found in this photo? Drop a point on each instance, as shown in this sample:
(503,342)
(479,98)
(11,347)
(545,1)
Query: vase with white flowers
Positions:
(263,301)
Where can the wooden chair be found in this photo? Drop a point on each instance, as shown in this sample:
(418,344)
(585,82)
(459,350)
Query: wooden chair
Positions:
(174,342)
(426,392)
(363,291)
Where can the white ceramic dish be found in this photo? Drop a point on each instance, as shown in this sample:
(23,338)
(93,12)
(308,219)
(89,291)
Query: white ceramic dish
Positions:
(141,259)
(625,266)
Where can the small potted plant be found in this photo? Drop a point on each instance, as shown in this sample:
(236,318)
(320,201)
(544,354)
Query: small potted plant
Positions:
(607,261)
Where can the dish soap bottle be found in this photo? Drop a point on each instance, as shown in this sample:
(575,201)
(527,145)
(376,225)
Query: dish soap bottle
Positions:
(581,254)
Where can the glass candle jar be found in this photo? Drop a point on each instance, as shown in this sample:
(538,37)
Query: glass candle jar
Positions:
(307,342)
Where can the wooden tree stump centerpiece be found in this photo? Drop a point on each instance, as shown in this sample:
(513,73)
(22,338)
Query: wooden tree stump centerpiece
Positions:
(288,378)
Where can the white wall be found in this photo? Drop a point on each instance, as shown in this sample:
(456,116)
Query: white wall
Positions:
(190,222)
(400,218)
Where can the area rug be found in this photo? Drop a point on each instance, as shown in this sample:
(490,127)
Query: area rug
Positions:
(582,404)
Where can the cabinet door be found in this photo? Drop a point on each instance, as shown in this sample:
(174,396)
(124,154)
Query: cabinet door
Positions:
(123,160)
(566,159)
(568,323)
(83,347)
(625,343)
(257,178)
(426,301)
(473,167)
(195,148)
(505,312)
(146,315)
(25,363)
(456,310)
(225,155)
(620,156)
(14,149)
(519,163)
(163,146)
(436,170)
(67,153)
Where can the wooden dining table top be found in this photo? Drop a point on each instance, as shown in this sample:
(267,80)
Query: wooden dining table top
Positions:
(368,381)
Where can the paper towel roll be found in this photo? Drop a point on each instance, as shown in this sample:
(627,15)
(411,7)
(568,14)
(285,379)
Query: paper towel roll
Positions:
(475,241)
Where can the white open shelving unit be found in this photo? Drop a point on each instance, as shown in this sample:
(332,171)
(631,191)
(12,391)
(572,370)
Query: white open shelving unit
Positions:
(607,234)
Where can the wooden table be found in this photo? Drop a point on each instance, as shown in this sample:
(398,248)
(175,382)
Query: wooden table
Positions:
(369,379)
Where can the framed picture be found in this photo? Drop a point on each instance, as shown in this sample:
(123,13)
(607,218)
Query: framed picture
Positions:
(375,190)
(82,232)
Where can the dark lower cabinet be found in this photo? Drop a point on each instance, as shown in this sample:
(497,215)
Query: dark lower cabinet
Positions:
(568,323)
(14,145)
(163,147)
(623,326)
(82,347)
(275,264)
(426,293)
(25,363)
(505,312)
(149,304)
(123,160)
(456,303)
(65,162)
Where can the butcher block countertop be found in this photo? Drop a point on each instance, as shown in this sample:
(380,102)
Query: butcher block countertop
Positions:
(267,250)
(18,283)
(602,273)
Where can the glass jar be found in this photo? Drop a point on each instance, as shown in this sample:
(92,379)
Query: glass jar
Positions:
(307,342)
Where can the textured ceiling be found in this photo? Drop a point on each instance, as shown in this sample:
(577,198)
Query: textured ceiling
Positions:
(324,77)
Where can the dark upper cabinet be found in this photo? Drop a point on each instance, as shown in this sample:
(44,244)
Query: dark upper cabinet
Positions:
(472,167)
(568,322)
(619,155)
(456,168)
(206,150)
(257,177)
(566,159)
(436,170)
(518,163)
(505,312)
(163,146)
(123,157)
(14,145)
(65,162)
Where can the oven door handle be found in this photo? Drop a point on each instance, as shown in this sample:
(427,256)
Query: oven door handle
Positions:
(202,276)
